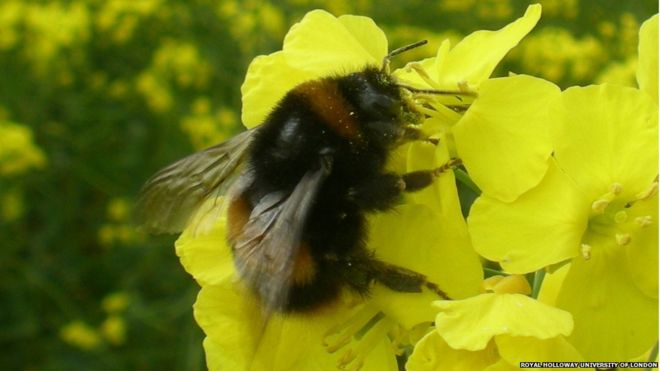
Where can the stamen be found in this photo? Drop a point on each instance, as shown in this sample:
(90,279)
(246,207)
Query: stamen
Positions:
(353,359)
(644,221)
(338,336)
(616,188)
(417,67)
(622,239)
(650,192)
(585,250)
(600,205)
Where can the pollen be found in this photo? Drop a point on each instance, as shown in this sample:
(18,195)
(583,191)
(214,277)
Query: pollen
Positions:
(600,205)
(616,188)
(622,239)
(585,250)
(644,221)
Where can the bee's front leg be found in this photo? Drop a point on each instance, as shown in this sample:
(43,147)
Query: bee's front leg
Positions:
(383,191)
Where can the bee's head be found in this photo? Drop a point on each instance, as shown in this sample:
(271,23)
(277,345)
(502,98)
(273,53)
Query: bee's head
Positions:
(381,105)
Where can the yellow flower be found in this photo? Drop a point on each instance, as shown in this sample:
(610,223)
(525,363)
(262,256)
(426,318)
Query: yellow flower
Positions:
(18,152)
(504,132)
(346,44)
(647,72)
(494,331)
(81,335)
(597,206)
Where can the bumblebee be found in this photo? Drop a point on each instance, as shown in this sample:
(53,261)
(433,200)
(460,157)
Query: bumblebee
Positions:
(298,189)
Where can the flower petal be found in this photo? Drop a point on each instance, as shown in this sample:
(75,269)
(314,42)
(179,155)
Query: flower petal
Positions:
(607,134)
(432,353)
(322,44)
(504,138)
(613,319)
(471,323)
(416,238)
(516,349)
(542,227)
(474,58)
(267,80)
(647,70)
(235,339)
(642,253)
(206,256)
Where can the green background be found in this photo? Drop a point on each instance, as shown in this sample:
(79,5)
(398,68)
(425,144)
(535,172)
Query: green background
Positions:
(111,91)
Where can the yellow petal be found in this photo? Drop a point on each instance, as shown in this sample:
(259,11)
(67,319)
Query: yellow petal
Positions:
(504,138)
(416,238)
(231,322)
(613,319)
(502,365)
(267,80)
(476,56)
(607,134)
(647,70)
(642,253)
(471,323)
(516,349)
(542,227)
(206,256)
(513,284)
(433,354)
(552,283)
(321,44)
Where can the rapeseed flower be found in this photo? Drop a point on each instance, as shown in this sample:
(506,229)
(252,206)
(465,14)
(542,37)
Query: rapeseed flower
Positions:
(596,207)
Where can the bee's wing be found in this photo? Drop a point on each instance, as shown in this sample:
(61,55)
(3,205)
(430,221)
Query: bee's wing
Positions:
(268,245)
(171,197)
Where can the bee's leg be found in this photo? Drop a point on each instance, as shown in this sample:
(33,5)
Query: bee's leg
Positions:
(403,280)
(382,192)
(417,180)
(411,133)
(362,268)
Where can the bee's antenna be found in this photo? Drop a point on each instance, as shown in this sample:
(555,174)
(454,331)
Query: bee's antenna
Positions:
(390,55)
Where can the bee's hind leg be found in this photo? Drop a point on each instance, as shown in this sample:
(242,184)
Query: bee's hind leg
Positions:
(403,280)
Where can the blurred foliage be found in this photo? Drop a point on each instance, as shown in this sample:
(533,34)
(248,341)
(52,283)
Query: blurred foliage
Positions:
(97,95)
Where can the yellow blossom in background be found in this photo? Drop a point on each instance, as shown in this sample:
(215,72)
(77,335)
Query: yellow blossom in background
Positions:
(206,127)
(12,205)
(120,18)
(18,152)
(114,330)
(541,55)
(115,302)
(560,8)
(80,335)
(620,73)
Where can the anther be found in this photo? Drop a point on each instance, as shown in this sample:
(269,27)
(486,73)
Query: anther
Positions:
(616,188)
(585,250)
(644,221)
(600,205)
(622,239)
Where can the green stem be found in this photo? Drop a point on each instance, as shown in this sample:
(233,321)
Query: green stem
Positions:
(490,272)
(538,280)
(464,178)
(653,356)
